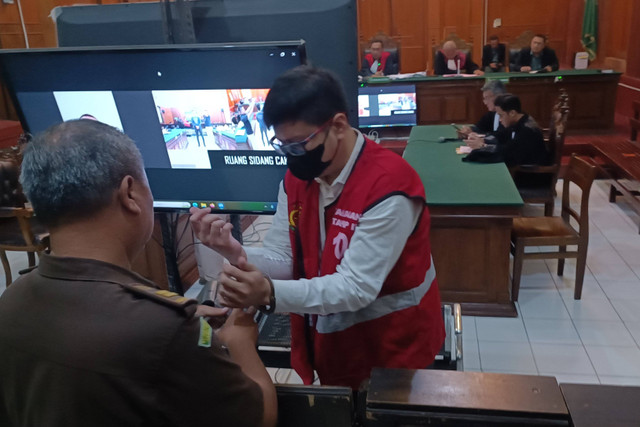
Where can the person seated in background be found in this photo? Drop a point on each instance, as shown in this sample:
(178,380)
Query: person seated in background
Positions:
(87,342)
(377,63)
(520,143)
(450,60)
(537,57)
(489,124)
(493,55)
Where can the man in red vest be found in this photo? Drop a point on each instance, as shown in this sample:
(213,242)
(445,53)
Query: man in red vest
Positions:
(348,251)
(377,62)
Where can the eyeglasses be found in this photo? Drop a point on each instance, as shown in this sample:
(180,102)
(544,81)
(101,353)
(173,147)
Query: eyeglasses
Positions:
(297,148)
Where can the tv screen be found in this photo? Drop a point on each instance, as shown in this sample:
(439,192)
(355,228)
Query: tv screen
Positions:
(328,27)
(386,106)
(194,111)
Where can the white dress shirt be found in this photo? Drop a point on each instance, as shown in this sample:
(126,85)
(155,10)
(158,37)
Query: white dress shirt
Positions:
(375,247)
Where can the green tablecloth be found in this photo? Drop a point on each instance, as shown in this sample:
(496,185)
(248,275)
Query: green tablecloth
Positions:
(173,133)
(450,181)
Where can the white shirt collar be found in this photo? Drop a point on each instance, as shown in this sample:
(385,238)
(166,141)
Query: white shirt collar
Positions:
(329,192)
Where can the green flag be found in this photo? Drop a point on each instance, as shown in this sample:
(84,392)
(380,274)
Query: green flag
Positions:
(590,28)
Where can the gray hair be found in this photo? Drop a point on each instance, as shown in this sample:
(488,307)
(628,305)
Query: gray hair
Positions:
(72,169)
(494,86)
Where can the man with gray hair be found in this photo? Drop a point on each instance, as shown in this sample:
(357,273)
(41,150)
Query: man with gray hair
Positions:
(489,123)
(87,342)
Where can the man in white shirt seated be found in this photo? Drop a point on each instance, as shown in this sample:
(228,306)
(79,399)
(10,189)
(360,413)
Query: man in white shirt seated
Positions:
(349,246)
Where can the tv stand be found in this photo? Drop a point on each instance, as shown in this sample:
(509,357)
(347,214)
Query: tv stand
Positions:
(169,243)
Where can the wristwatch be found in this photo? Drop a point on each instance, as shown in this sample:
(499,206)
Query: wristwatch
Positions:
(271,307)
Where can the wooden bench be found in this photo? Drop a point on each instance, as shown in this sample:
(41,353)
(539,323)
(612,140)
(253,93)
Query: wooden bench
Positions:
(622,159)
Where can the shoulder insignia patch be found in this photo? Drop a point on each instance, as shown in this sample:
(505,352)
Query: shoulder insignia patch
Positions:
(162,296)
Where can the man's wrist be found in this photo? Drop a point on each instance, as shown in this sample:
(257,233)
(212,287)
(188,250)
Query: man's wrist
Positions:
(269,302)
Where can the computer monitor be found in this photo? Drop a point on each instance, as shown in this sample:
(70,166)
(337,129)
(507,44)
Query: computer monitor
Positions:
(194,111)
(328,27)
(387,106)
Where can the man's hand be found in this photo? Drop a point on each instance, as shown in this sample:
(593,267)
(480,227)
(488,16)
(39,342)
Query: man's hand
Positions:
(493,65)
(478,73)
(464,131)
(215,233)
(216,316)
(243,286)
(378,74)
(475,141)
(240,328)
(548,68)
(525,69)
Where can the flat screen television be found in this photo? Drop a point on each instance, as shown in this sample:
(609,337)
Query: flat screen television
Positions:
(387,106)
(194,112)
(328,27)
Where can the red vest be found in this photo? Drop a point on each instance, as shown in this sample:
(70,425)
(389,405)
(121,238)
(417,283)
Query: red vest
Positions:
(382,61)
(403,327)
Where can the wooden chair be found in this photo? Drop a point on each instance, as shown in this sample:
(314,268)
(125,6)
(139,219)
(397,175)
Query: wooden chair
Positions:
(19,230)
(557,231)
(546,176)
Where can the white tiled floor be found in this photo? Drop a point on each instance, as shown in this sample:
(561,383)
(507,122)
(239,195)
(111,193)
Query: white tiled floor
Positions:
(594,340)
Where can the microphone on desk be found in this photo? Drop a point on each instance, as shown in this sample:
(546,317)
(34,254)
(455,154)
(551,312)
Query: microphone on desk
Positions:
(447,139)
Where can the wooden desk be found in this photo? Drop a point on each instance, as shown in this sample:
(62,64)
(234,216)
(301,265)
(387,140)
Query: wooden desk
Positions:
(403,397)
(623,158)
(592,96)
(472,208)
(594,405)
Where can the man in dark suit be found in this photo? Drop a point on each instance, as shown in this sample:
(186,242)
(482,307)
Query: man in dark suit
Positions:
(521,141)
(378,62)
(450,60)
(537,57)
(493,55)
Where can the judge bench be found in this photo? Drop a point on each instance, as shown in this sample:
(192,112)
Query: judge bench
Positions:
(444,100)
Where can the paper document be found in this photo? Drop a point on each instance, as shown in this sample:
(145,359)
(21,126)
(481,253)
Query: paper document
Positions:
(465,149)
(407,75)
(459,75)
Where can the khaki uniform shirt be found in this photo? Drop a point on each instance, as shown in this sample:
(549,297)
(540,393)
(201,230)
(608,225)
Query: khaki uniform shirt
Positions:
(80,346)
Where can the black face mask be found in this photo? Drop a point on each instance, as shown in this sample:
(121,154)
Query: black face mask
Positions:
(309,165)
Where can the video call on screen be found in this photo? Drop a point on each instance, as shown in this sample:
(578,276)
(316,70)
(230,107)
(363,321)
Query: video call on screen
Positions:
(195,115)
(383,106)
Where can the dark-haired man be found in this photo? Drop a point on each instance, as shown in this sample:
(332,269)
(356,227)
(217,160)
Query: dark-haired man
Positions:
(521,142)
(349,246)
(87,342)
(493,55)
(537,57)
(377,62)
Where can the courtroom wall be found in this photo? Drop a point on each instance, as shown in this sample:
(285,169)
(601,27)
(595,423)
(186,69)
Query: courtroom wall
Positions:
(419,24)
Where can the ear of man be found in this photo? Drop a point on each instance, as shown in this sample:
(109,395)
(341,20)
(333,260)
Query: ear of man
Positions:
(341,124)
(129,195)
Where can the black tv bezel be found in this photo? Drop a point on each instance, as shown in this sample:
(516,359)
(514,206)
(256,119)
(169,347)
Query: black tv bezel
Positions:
(389,88)
(299,45)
